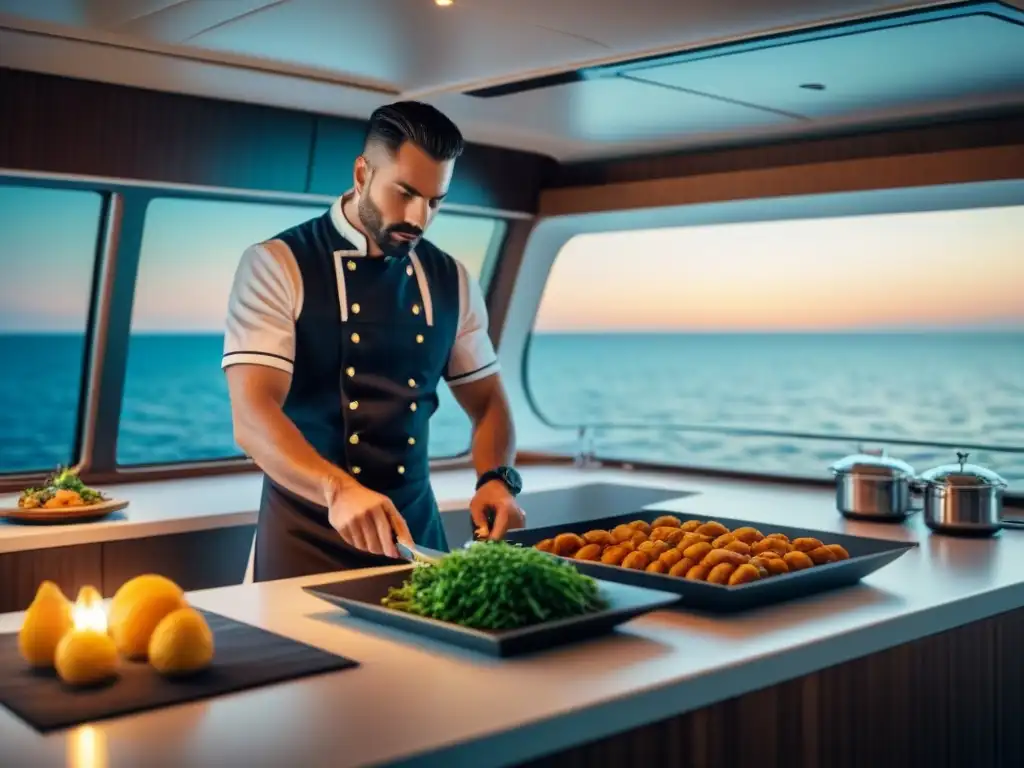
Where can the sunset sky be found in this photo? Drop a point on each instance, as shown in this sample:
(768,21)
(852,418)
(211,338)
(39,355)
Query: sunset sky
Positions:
(961,269)
(951,269)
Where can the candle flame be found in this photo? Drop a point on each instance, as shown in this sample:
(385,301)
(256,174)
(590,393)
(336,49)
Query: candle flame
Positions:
(88,612)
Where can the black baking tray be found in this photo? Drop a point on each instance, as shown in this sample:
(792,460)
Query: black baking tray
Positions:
(361,597)
(866,556)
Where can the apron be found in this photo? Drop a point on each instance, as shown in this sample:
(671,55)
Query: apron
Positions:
(371,346)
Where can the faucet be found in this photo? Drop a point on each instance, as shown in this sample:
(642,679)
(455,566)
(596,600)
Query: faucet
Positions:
(585,458)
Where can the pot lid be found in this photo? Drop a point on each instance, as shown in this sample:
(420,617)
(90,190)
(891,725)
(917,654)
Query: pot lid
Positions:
(873,464)
(963,475)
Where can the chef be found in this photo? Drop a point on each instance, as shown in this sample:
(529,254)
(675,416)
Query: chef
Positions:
(338,333)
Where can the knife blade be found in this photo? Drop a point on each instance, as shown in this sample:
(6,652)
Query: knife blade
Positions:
(414,554)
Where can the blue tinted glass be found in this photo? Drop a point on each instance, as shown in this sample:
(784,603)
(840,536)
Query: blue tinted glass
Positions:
(46,264)
(903,326)
(176,406)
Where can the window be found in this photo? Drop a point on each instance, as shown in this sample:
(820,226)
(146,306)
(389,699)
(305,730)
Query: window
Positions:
(176,406)
(475,242)
(777,347)
(50,245)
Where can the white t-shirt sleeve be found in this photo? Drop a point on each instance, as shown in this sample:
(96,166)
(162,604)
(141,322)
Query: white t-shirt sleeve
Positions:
(264,303)
(473,356)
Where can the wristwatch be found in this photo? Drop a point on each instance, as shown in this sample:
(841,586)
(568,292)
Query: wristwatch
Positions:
(507,475)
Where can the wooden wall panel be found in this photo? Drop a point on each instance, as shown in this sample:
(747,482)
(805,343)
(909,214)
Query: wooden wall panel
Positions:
(950,700)
(998,130)
(61,125)
(890,172)
(71,568)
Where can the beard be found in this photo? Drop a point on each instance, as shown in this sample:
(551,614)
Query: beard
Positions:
(382,234)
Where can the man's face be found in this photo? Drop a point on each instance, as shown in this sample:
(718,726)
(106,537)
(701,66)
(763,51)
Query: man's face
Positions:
(398,196)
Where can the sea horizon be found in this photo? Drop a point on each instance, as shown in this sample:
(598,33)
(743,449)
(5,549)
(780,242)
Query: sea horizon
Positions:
(921,386)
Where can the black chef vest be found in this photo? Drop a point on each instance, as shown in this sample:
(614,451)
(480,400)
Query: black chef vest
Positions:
(371,345)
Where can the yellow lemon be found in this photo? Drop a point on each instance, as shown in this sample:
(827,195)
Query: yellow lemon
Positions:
(47,620)
(137,607)
(181,644)
(85,657)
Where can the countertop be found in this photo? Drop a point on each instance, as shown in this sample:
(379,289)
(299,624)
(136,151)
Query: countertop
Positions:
(417,702)
(194,504)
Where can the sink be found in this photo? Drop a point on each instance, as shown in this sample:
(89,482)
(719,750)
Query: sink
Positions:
(568,505)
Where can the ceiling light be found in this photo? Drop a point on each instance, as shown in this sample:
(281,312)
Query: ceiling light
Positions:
(443,3)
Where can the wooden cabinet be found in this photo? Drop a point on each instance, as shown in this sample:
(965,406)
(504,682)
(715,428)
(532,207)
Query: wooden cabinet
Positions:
(196,560)
(69,567)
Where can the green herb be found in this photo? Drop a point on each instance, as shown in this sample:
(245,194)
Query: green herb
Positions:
(496,585)
(64,479)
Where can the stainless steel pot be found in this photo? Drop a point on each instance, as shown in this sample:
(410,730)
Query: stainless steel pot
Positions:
(874,487)
(964,499)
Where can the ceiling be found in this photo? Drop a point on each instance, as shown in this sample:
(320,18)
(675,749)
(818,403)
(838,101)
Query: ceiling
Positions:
(572,79)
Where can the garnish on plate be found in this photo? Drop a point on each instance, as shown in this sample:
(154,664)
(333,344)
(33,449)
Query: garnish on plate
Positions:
(495,585)
(64,488)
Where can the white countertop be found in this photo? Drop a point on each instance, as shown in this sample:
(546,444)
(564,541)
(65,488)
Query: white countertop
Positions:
(419,702)
(156,508)
(182,505)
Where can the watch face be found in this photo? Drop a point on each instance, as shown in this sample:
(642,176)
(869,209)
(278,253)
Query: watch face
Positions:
(512,479)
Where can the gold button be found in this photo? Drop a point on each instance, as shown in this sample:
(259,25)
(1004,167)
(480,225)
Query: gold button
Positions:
(351,266)
(355,338)
(412,382)
(415,309)
(355,309)
(401,469)
(356,470)
(408,270)
(354,439)
(412,406)
(350,371)
(419,338)
(412,441)
(353,405)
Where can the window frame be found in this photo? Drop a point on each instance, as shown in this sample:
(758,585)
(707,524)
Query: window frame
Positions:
(549,235)
(116,257)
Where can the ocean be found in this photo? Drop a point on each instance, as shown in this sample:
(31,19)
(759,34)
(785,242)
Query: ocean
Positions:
(947,387)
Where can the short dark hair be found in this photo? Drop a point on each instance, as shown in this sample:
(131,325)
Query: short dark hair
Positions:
(425,126)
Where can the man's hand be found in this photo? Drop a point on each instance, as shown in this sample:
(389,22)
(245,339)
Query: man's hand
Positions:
(494,497)
(365,519)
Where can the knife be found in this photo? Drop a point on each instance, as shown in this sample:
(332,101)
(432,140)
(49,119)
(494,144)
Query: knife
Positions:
(414,553)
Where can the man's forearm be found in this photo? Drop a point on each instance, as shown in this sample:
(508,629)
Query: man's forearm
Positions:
(494,437)
(279,449)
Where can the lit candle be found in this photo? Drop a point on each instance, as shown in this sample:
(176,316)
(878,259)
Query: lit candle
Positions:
(88,612)
(86,655)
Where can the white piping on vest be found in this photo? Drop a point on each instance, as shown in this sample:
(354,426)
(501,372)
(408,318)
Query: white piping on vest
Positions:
(421,280)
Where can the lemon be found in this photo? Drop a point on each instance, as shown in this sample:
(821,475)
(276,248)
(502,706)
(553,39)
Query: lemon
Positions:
(136,609)
(181,644)
(47,620)
(85,656)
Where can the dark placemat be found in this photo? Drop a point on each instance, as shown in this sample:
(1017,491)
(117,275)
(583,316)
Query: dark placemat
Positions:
(244,657)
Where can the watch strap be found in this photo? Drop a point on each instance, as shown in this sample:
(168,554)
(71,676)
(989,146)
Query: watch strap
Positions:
(502,474)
